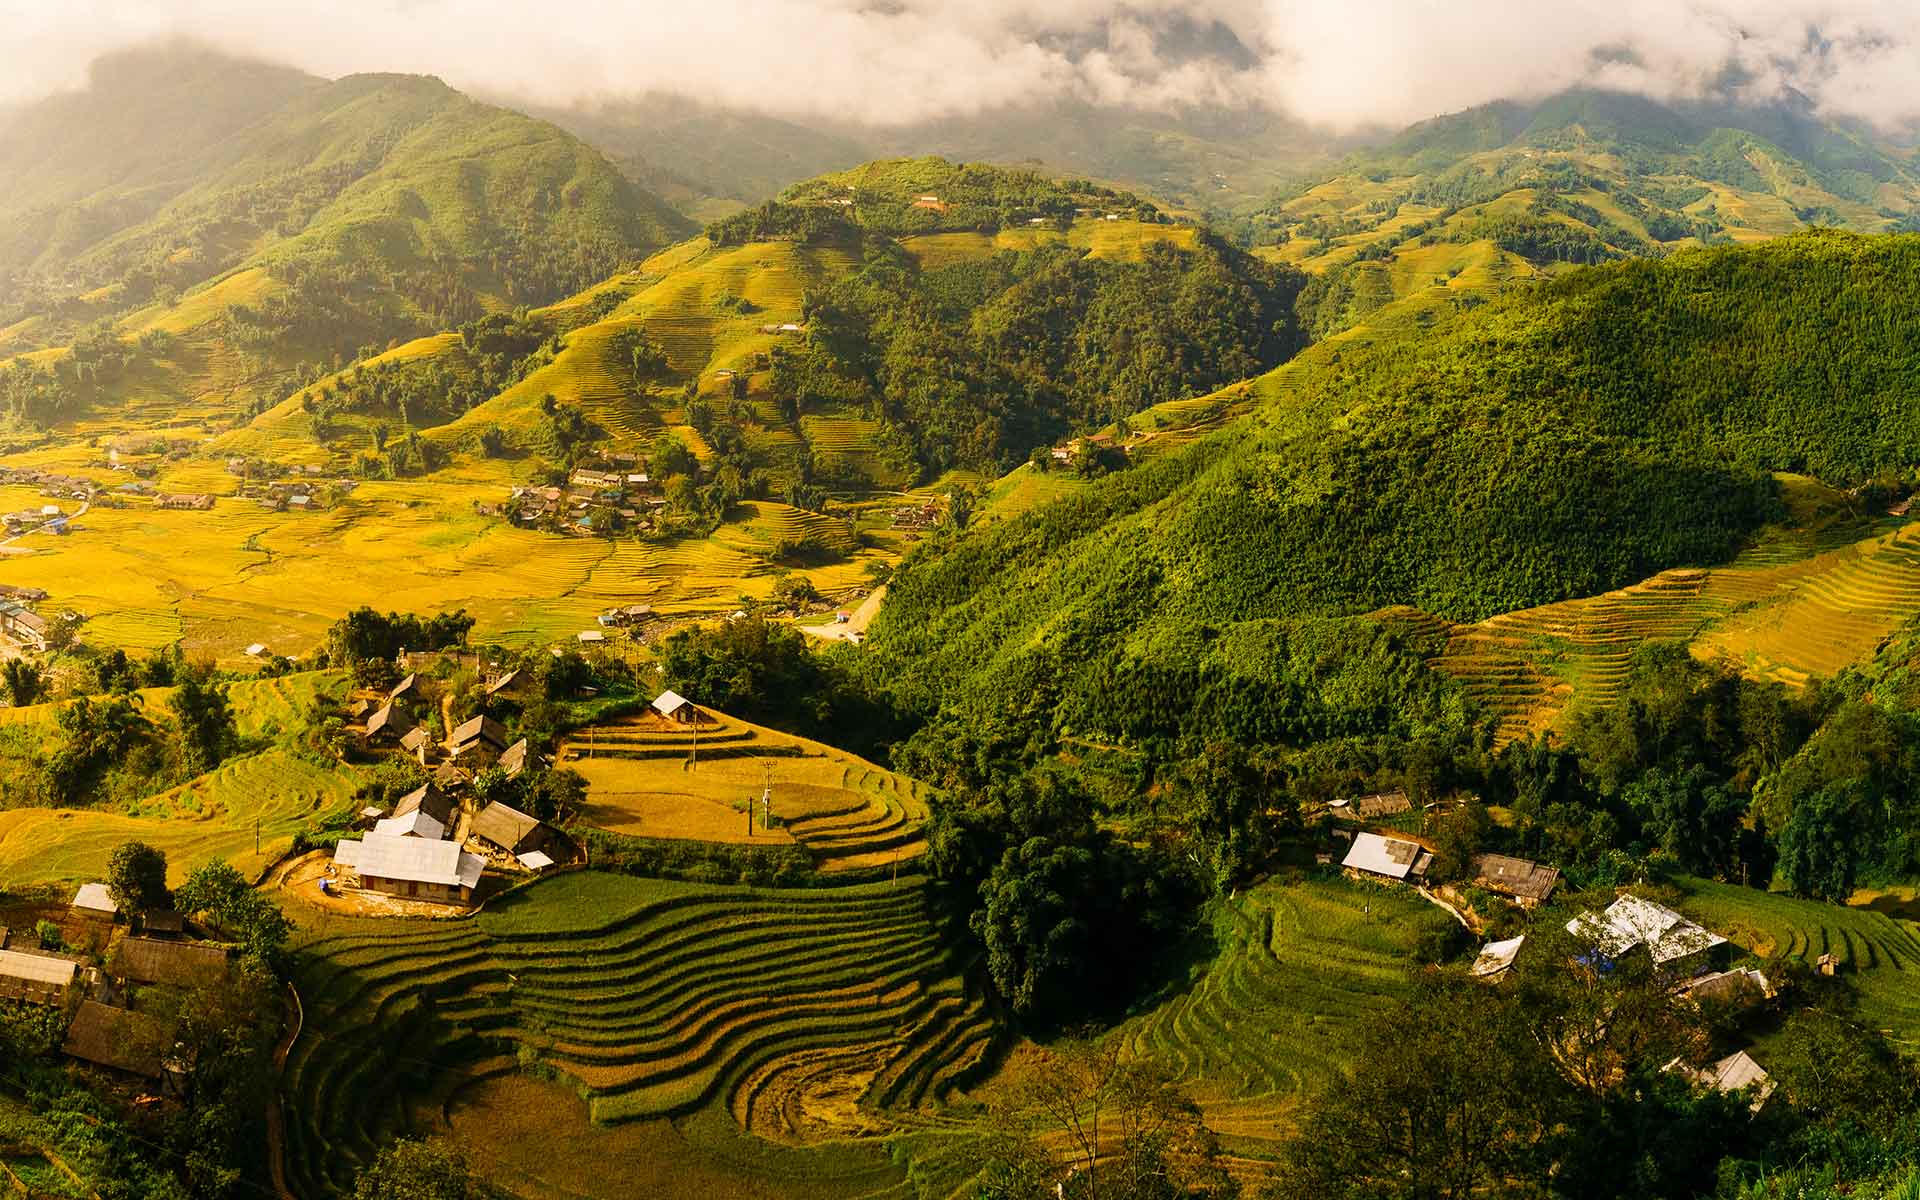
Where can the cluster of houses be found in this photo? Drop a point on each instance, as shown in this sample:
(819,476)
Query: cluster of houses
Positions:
(1690,957)
(430,848)
(279,488)
(119,1017)
(916,517)
(1071,452)
(625,616)
(51,483)
(50,517)
(617,492)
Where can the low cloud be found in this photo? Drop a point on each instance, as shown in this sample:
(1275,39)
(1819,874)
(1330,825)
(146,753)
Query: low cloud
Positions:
(1339,63)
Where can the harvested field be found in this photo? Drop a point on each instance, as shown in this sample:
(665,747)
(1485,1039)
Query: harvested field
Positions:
(649,777)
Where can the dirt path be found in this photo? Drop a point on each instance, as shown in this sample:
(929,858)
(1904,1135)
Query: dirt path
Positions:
(854,628)
(276,1109)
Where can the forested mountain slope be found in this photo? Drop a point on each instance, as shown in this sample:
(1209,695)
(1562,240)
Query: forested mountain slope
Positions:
(306,219)
(1561,441)
(817,348)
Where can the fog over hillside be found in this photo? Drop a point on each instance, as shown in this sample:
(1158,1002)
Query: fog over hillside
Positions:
(1348,65)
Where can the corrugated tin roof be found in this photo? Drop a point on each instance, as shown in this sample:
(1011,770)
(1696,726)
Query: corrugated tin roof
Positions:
(95,897)
(1631,921)
(38,968)
(1496,957)
(416,860)
(1385,856)
(536,860)
(418,823)
(668,703)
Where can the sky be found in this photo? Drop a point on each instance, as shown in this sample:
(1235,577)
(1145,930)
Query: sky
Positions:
(1341,64)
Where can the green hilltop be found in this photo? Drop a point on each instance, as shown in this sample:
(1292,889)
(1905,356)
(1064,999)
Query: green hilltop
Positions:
(1581,177)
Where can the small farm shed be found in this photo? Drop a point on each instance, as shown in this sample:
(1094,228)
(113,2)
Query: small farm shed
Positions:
(509,828)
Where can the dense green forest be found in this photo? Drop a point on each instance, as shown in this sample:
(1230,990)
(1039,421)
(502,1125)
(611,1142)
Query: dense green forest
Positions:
(975,364)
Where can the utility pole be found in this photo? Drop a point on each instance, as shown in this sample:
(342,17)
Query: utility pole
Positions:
(766,796)
(693,757)
(256,837)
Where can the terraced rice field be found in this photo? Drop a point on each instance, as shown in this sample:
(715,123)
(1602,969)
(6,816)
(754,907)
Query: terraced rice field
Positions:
(1294,968)
(796,1016)
(651,778)
(268,796)
(1881,954)
(1792,608)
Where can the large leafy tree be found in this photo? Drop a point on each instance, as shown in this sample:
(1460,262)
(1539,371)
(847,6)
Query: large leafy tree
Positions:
(137,878)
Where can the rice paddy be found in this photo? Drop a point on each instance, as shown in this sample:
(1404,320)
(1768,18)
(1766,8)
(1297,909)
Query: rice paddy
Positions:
(1271,1008)
(649,777)
(749,1020)
(1797,605)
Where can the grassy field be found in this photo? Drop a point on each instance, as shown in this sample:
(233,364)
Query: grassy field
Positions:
(647,777)
(725,1022)
(1269,1007)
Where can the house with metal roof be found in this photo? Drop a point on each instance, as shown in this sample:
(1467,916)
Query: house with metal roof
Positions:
(1496,958)
(1736,1072)
(36,978)
(416,824)
(1388,857)
(1632,922)
(412,868)
(94,900)
(675,707)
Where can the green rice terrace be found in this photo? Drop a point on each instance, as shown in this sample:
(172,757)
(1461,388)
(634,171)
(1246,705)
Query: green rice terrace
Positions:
(1879,953)
(1271,1004)
(806,1015)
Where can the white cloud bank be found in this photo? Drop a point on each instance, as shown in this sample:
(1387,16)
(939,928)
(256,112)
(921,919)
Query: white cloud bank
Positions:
(1340,63)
